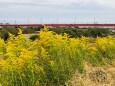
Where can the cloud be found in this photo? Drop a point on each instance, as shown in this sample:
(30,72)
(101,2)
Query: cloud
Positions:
(62,3)
(57,1)
(84,9)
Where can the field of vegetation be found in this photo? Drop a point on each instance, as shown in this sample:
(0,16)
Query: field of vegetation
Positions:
(51,59)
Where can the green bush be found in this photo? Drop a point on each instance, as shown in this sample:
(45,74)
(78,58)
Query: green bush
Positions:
(94,32)
(4,34)
(88,32)
(34,37)
(28,30)
(73,32)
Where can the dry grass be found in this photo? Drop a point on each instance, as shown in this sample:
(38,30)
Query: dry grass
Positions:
(29,35)
(94,76)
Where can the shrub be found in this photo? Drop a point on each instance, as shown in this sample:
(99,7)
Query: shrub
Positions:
(88,32)
(94,32)
(28,30)
(34,37)
(4,34)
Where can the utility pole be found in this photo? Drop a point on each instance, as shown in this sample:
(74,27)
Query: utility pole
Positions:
(4,22)
(15,21)
(41,20)
(28,21)
(75,20)
(94,21)
(57,20)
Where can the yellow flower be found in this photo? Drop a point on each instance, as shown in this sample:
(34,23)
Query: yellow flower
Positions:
(94,49)
(41,70)
(44,53)
(52,63)
(45,27)
(4,66)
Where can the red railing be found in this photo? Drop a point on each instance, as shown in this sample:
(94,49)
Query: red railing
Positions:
(56,25)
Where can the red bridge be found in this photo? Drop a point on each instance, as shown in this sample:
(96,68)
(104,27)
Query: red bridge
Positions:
(59,25)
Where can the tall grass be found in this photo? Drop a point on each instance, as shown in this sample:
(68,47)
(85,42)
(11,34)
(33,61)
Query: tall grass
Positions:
(51,59)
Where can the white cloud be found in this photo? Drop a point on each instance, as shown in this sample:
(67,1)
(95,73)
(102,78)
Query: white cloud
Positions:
(14,1)
(85,9)
(54,1)
(108,3)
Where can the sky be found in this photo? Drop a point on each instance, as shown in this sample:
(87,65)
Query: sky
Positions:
(57,11)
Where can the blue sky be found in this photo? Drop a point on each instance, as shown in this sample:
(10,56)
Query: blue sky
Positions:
(53,11)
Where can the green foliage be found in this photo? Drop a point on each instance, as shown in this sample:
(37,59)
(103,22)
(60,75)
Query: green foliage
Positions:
(28,30)
(94,32)
(4,32)
(34,37)
(79,32)
(51,59)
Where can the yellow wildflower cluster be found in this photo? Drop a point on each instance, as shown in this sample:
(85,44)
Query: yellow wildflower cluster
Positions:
(50,57)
